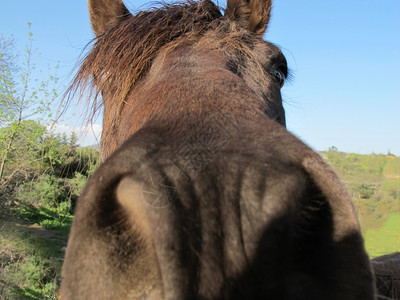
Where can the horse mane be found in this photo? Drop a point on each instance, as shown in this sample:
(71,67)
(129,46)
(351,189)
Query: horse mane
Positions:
(121,56)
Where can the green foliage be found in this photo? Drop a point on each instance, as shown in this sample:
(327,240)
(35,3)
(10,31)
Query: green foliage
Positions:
(7,80)
(77,160)
(48,217)
(365,191)
(34,276)
(20,147)
(21,98)
(53,177)
(34,151)
(46,202)
(47,190)
(30,267)
(41,177)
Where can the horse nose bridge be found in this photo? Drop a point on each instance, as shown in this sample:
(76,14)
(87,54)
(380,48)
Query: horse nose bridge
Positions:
(150,202)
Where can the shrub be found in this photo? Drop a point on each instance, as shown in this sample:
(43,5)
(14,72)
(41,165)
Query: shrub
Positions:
(47,190)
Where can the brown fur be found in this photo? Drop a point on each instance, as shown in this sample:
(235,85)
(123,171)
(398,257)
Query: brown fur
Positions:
(171,25)
(251,14)
(113,65)
(204,194)
(105,15)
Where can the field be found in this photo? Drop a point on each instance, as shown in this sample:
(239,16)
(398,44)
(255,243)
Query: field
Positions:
(374,183)
(385,239)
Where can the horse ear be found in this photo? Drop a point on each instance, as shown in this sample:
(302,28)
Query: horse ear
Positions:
(105,14)
(251,14)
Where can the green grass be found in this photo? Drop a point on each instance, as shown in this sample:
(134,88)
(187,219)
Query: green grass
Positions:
(385,239)
(30,252)
(52,218)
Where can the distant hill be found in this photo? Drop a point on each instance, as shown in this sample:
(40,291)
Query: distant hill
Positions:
(374,184)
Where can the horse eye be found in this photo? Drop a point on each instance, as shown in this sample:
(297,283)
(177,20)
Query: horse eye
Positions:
(279,76)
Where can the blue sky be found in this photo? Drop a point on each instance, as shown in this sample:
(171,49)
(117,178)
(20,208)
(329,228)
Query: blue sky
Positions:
(344,56)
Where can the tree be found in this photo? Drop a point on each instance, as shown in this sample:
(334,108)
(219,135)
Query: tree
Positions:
(333,149)
(21,96)
(7,70)
(24,151)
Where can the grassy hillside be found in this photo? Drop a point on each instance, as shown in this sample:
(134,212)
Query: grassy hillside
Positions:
(374,183)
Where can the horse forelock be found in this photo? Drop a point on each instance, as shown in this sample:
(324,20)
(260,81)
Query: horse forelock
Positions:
(120,57)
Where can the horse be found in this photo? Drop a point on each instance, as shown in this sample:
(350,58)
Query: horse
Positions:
(203,193)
